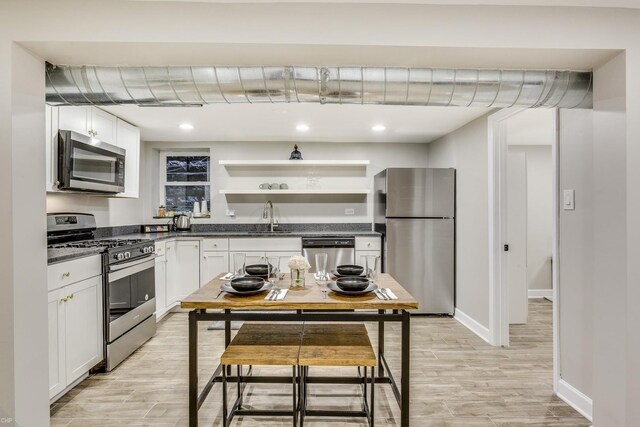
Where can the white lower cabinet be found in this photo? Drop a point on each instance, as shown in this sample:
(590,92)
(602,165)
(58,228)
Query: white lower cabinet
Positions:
(213,263)
(283,257)
(250,258)
(182,271)
(361,257)
(57,380)
(75,332)
(161,286)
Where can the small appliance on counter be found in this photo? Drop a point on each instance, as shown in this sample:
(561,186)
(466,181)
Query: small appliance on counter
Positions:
(181,222)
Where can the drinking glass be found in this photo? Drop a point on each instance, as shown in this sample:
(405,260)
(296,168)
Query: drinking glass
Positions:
(238,263)
(321,265)
(372,267)
(273,263)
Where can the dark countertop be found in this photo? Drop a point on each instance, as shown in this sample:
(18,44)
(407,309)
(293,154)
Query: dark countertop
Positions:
(67,254)
(231,234)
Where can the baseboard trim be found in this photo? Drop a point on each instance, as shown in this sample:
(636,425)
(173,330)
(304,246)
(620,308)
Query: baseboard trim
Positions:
(541,293)
(471,324)
(575,398)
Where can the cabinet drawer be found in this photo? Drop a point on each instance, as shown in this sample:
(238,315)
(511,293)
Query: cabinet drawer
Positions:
(161,248)
(215,244)
(368,243)
(254,244)
(65,273)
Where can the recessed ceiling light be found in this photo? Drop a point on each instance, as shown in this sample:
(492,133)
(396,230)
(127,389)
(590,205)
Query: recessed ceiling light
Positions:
(186,126)
(378,128)
(302,127)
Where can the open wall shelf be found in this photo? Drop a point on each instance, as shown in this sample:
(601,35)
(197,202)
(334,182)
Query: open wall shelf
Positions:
(294,191)
(294,163)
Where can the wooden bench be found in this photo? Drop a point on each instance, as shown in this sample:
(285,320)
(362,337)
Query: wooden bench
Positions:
(337,345)
(261,344)
(300,346)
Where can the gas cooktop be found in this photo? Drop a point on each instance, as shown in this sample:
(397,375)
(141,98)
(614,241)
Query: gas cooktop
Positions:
(107,243)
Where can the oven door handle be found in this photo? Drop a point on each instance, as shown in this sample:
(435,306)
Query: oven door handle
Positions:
(131,268)
(118,267)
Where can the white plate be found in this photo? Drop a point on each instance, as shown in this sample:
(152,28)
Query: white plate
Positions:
(372,287)
(227,288)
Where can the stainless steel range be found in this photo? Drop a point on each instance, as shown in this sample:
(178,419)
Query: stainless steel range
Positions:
(128,268)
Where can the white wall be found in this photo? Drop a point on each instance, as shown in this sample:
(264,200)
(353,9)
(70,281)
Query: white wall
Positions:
(576,250)
(539,213)
(466,150)
(610,254)
(23,335)
(288,209)
(109,211)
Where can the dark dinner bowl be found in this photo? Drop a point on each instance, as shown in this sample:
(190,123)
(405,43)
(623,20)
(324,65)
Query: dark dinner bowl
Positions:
(247,283)
(258,269)
(352,283)
(349,270)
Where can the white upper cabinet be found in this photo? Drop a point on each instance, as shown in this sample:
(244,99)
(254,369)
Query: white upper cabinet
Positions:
(103,126)
(128,137)
(90,121)
(77,119)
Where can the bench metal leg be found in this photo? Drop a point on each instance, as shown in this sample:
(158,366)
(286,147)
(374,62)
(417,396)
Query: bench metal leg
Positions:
(240,385)
(373,400)
(224,397)
(294,381)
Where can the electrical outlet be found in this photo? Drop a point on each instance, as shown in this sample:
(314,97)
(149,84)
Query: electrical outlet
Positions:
(349,211)
(231,212)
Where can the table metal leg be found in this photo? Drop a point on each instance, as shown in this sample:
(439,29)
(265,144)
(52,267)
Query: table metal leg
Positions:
(380,345)
(227,337)
(405,373)
(193,369)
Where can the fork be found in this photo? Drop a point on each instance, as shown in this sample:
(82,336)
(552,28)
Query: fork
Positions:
(385,293)
(274,294)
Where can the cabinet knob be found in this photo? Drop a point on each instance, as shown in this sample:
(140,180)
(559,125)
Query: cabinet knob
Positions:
(215,245)
(66,274)
(71,296)
(65,299)
(369,244)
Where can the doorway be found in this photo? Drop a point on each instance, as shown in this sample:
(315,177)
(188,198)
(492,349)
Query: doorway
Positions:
(523,220)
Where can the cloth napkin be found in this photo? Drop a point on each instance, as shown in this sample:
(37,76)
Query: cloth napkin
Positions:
(388,292)
(228,276)
(280,297)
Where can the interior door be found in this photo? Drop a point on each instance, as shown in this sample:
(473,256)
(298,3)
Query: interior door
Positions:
(516,256)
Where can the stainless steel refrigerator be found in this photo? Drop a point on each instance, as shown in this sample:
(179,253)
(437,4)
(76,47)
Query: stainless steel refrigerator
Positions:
(415,212)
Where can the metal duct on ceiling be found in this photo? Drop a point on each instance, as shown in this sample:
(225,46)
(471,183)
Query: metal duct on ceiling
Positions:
(195,86)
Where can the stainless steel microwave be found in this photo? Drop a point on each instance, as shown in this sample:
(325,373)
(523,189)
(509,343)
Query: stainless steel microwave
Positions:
(86,164)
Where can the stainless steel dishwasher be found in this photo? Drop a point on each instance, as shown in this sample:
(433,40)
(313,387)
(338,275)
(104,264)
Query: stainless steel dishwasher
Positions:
(340,250)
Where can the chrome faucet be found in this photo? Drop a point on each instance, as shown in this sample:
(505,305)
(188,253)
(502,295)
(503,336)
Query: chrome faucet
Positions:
(268,211)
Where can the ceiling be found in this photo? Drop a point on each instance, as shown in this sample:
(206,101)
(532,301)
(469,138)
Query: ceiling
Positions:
(582,3)
(277,122)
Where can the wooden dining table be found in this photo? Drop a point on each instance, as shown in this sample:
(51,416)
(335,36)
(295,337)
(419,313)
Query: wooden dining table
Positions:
(307,304)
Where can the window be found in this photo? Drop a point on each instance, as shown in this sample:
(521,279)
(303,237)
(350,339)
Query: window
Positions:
(184,179)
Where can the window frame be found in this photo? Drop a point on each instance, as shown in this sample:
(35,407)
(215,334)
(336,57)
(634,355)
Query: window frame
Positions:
(163,174)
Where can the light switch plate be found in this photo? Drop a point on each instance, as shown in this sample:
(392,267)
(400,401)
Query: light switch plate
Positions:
(569,200)
(349,211)
(231,212)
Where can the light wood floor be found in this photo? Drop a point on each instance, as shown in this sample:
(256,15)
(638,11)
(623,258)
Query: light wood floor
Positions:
(457,380)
